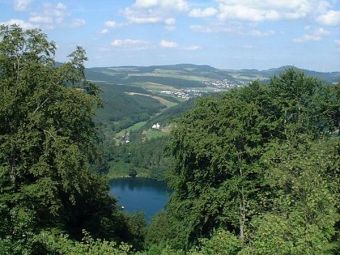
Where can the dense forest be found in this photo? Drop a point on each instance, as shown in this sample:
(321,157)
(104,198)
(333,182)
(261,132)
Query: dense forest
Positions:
(122,110)
(255,170)
(145,155)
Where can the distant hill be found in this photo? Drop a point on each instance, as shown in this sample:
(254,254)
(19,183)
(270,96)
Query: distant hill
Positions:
(151,94)
(178,76)
(330,77)
(138,98)
(189,75)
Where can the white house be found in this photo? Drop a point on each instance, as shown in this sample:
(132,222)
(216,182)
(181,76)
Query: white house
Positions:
(156,126)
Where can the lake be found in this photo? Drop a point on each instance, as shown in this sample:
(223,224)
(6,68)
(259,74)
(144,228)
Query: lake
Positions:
(140,194)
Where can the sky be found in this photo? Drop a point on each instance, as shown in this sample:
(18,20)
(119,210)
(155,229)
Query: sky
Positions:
(230,34)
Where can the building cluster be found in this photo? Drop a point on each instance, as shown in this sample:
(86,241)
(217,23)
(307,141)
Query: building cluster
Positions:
(219,85)
(183,93)
(224,84)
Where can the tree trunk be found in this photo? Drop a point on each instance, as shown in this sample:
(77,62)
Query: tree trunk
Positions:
(242,216)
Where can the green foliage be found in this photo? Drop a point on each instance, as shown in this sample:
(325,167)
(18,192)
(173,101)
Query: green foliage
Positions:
(146,152)
(121,110)
(158,231)
(161,250)
(47,141)
(221,242)
(220,178)
(147,158)
(334,106)
(256,170)
(304,207)
(281,235)
(49,243)
(136,228)
(132,172)
(171,114)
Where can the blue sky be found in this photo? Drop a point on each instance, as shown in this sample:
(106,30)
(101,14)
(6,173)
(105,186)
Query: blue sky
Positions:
(223,33)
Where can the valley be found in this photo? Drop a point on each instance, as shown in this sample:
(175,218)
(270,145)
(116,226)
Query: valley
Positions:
(132,127)
(140,103)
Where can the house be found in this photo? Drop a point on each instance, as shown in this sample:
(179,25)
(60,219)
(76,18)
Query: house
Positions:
(156,126)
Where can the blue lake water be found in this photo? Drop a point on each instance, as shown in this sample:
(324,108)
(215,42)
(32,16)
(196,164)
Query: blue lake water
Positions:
(140,194)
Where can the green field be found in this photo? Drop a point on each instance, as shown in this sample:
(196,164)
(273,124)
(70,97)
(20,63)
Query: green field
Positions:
(120,169)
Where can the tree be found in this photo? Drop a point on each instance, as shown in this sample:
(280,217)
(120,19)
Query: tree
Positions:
(304,212)
(217,146)
(47,142)
(61,244)
(221,242)
(218,178)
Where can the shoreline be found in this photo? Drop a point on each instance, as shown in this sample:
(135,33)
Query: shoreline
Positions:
(110,179)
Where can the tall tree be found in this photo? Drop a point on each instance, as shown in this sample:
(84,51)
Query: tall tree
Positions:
(218,178)
(47,141)
(303,179)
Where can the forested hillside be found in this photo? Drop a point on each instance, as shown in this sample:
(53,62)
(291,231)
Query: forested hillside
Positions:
(145,155)
(260,163)
(254,170)
(136,98)
(121,110)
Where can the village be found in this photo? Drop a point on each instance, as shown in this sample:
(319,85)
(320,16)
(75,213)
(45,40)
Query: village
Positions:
(219,85)
(225,84)
(184,94)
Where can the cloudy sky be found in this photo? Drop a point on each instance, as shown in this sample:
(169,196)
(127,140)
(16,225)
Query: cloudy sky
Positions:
(222,33)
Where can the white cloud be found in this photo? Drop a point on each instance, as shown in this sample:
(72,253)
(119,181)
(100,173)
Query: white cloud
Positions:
(205,29)
(232,29)
(136,16)
(316,35)
(247,13)
(129,43)
(180,5)
(146,3)
(50,16)
(170,24)
(202,13)
(78,23)
(23,24)
(155,11)
(108,25)
(259,33)
(144,20)
(330,18)
(58,12)
(104,31)
(250,10)
(337,42)
(168,44)
(21,5)
(170,21)
(41,19)
(192,47)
